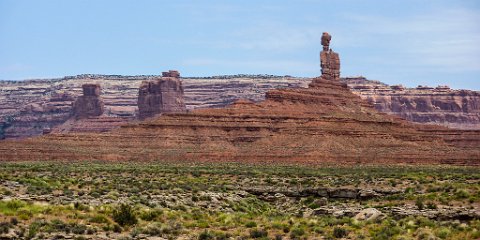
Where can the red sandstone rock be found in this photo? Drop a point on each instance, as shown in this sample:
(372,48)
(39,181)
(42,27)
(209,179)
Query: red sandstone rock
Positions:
(329,60)
(323,123)
(90,104)
(440,105)
(162,95)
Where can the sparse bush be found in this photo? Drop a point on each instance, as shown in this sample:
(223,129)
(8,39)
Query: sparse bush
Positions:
(339,232)
(431,205)
(419,203)
(78,228)
(258,233)
(4,227)
(206,235)
(98,218)
(124,215)
(443,233)
(251,224)
(150,215)
(297,232)
(14,221)
(117,228)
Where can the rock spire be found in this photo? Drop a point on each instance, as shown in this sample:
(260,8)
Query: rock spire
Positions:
(329,60)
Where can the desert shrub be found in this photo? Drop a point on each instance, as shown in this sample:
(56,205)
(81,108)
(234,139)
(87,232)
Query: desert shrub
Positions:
(124,215)
(424,234)
(258,233)
(206,235)
(78,228)
(154,229)
(251,224)
(339,232)
(80,206)
(419,203)
(98,218)
(14,221)
(33,229)
(443,233)
(4,227)
(297,232)
(461,194)
(431,205)
(385,232)
(59,225)
(15,204)
(117,228)
(151,214)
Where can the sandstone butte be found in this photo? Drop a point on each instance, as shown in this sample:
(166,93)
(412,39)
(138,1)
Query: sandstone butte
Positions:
(161,96)
(324,123)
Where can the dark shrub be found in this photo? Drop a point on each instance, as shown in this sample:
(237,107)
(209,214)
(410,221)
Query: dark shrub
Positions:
(258,233)
(339,232)
(124,215)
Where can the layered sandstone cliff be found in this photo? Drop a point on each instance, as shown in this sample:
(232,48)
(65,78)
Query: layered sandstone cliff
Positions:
(440,105)
(52,100)
(325,122)
(30,107)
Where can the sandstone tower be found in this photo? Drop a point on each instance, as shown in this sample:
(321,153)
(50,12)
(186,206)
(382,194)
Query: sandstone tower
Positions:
(90,104)
(329,60)
(161,95)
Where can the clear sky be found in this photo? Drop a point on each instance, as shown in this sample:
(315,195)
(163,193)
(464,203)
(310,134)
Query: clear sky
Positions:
(408,42)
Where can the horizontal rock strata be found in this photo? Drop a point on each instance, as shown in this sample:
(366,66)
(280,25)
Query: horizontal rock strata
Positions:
(323,123)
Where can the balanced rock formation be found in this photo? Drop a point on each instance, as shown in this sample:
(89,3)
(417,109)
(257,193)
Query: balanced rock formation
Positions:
(329,60)
(325,122)
(161,95)
(90,104)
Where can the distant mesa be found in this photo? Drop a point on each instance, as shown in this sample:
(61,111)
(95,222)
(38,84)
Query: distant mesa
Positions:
(162,95)
(324,123)
(90,104)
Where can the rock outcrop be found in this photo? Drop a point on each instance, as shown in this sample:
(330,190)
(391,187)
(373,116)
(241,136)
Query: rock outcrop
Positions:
(323,123)
(90,103)
(161,95)
(30,107)
(120,95)
(329,60)
(440,105)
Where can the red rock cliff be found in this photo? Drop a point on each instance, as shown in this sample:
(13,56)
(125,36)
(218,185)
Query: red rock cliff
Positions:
(325,122)
(440,105)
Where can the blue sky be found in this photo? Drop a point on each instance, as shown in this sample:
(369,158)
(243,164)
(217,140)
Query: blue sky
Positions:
(408,42)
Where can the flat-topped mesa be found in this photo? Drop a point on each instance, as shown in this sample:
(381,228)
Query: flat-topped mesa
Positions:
(90,104)
(161,95)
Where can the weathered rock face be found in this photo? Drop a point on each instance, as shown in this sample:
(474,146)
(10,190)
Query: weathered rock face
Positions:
(161,95)
(329,60)
(120,95)
(30,107)
(440,105)
(325,122)
(90,104)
